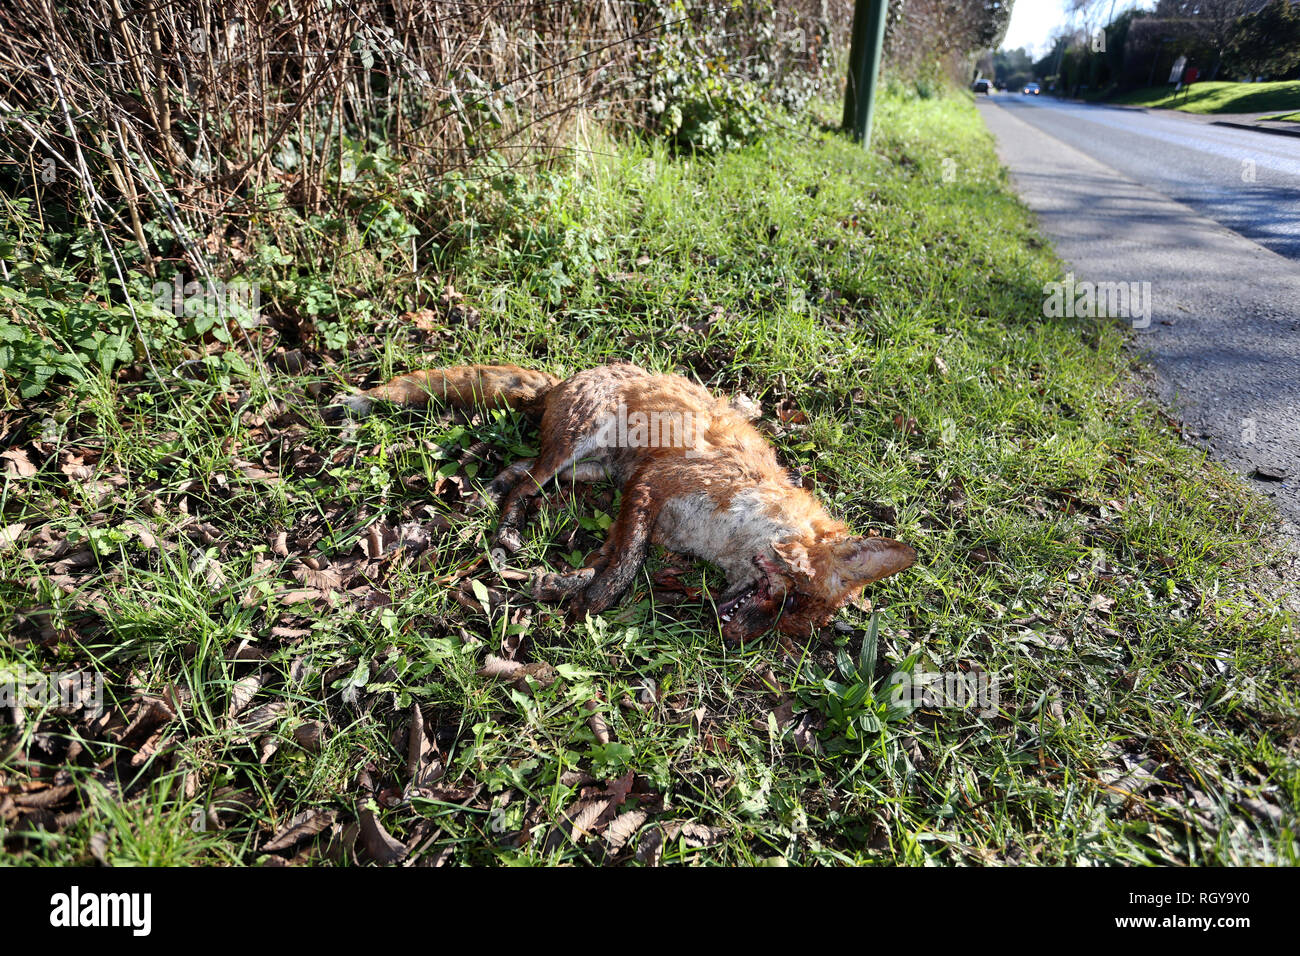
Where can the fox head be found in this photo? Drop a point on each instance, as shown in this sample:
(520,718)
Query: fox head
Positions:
(805,581)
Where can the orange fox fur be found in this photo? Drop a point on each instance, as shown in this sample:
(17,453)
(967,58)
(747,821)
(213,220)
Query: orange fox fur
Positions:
(718,494)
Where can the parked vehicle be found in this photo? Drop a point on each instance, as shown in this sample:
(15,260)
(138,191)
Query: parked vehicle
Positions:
(980,86)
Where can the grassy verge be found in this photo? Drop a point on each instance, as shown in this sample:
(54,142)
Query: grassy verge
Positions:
(1218,97)
(296,620)
(1288,117)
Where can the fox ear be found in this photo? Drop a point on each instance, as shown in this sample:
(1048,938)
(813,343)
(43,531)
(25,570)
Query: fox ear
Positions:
(860,561)
(794,556)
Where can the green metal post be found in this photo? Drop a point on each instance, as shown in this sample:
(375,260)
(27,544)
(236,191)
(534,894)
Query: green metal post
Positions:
(864,66)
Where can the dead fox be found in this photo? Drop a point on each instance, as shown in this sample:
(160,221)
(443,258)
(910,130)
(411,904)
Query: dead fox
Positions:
(696,478)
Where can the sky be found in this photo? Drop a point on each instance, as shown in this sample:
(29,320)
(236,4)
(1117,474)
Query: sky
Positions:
(1034,21)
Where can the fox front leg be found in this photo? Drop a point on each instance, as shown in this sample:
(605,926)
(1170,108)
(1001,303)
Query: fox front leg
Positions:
(623,553)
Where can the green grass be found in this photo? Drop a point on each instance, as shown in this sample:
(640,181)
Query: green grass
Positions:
(1288,117)
(1219,97)
(1100,572)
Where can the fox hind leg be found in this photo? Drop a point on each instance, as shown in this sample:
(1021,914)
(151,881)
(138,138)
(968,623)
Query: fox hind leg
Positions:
(584,472)
(504,483)
(527,482)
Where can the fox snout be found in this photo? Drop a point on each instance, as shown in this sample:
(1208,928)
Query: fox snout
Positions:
(805,583)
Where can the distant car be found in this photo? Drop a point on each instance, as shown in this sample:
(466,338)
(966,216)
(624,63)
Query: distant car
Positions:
(1031,89)
(980,86)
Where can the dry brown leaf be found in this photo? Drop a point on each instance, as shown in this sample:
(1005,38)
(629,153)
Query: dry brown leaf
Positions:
(290,632)
(426,320)
(256,473)
(75,467)
(698,835)
(308,736)
(747,406)
(517,673)
(9,535)
(372,542)
(1101,604)
(494,666)
(784,712)
(142,531)
(650,848)
(292,361)
(263,718)
(149,748)
(418,537)
(244,691)
(17,464)
(448,794)
(575,778)
(209,569)
(596,722)
(422,766)
(280,544)
(417,744)
(620,788)
(791,414)
(146,715)
(247,651)
(299,828)
(624,827)
(323,580)
(47,797)
(587,816)
(75,561)
(805,736)
(379,844)
(540,671)
(99,847)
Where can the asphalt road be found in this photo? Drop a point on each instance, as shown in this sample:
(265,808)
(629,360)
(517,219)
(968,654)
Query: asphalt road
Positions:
(1138,197)
(1246,180)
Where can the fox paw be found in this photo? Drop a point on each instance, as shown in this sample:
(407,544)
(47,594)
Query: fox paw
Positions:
(509,539)
(358,406)
(546,587)
(555,587)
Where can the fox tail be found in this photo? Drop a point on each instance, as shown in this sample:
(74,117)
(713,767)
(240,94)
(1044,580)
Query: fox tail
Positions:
(462,386)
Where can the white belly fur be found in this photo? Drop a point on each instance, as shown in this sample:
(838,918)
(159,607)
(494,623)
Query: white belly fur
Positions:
(729,538)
